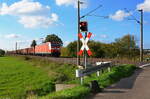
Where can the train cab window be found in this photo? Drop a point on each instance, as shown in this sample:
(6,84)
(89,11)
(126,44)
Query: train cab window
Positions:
(55,45)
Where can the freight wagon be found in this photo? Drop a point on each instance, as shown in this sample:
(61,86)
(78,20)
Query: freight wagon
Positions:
(45,49)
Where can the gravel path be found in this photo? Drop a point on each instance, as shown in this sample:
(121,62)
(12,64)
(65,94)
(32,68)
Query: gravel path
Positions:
(134,87)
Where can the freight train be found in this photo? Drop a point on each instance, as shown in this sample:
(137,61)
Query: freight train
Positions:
(45,49)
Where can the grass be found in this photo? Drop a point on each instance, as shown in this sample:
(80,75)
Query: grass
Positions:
(22,77)
(107,78)
(18,79)
(57,72)
(104,80)
(79,92)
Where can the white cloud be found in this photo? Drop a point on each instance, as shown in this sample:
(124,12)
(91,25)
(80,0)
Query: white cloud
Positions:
(12,36)
(145,6)
(24,7)
(38,21)
(93,35)
(104,36)
(31,14)
(65,2)
(119,15)
(66,43)
(71,2)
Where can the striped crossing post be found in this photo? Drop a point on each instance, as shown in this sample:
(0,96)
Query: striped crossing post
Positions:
(84,42)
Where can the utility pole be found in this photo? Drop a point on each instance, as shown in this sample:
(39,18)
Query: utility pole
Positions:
(141,39)
(85,55)
(141,34)
(78,42)
(16,47)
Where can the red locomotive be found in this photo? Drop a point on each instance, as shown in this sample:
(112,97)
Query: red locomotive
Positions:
(45,49)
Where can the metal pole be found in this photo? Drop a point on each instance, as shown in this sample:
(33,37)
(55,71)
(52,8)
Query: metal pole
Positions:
(16,47)
(78,42)
(85,54)
(81,80)
(141,40)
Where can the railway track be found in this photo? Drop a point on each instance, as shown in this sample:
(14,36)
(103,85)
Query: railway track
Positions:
(91,61)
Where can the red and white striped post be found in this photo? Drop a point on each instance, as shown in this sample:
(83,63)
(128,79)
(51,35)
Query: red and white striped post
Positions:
(84,42)
(84,45)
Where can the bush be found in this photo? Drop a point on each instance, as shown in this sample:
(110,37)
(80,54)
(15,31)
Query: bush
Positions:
(79,92)
(116,74)
(106,79)
(26,58)
(45,89)
(2,52)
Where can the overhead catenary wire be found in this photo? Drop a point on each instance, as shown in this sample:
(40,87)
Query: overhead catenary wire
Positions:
(87,14)
(105,17)
(133,17)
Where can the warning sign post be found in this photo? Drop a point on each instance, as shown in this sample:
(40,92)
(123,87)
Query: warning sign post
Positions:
(84,44)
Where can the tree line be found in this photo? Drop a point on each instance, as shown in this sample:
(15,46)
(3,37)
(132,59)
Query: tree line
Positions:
(121,47)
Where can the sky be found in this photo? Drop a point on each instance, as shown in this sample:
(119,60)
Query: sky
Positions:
(25,20)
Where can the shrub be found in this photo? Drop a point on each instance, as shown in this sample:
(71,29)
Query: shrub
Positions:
(26,58)
(2,52)
(116,74)
(79,92)
(106,79)
(45,89)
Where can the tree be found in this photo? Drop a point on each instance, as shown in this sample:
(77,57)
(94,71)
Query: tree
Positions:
(53,38)
(97,49)
(122,47)
(126,46)
(72,49)
(64,52)
(127,42)
(110,50)
(2,52)
(33,44)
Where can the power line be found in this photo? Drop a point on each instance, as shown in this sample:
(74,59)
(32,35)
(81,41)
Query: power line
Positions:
(105,17)
(133,17)
(91,11)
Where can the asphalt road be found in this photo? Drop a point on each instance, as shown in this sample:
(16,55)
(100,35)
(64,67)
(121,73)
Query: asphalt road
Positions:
(134,87)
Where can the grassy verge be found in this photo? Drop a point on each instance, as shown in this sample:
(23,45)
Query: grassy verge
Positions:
(104,80)
(18,79)
(22,76)
(79,92)
(57,72)
(116,73)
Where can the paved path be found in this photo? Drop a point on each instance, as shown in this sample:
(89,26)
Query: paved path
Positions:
(134,87)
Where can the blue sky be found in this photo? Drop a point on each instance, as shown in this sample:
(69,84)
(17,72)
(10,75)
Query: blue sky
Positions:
(24,20)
